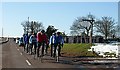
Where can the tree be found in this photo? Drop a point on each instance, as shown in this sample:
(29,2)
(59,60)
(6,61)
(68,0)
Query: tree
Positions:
(91,20)
(36,26)
(118,30)
(84,35)
(79,26)
(76,28)
(50,30)
(26,26)
(105,26)
(32,27)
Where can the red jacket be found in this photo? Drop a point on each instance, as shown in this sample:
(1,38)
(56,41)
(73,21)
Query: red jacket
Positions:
(44,38)
(39,37)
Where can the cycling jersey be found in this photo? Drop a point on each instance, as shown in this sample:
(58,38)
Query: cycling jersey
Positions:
(32,39)
(52,39)
(59,39)
(39,37)
(44,38)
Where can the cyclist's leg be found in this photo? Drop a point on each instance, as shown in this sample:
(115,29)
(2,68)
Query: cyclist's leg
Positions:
(31,46)
(35,46)
(43,45)
(38,48)
(46,50)
(55,47)
(34,49)
(51,49)
(59,50)
(57,53)
(27,47)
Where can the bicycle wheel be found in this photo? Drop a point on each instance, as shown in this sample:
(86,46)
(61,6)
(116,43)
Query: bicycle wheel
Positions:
(40,57)
(34,54)
(42,52)
(45,48)
(57,54)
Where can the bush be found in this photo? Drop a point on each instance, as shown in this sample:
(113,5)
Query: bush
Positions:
(110,54)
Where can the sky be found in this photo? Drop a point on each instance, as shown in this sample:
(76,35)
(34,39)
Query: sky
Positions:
(119,11)
(59,14)
(60,0)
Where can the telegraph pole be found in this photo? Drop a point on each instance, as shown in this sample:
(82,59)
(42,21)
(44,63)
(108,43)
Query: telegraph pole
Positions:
(91,32)
(27,26)
(2,31)
(28,19)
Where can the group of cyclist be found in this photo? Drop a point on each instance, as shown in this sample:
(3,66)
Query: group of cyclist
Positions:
(40,40)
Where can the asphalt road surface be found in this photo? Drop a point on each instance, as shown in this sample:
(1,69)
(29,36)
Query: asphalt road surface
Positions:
(13,56)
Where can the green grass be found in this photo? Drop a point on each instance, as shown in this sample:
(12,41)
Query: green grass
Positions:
(77,50)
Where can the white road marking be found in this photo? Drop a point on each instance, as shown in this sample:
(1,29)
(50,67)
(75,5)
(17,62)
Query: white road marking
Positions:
(21,53)
(28,62)
(18,49)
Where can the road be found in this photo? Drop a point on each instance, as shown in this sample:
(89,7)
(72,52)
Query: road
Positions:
(13,56)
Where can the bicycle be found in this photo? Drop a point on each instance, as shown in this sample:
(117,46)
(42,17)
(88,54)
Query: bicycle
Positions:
(42,52)
(57,52)
(34,49)
(52,49)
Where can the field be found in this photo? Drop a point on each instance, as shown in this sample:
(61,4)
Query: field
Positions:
(77,50)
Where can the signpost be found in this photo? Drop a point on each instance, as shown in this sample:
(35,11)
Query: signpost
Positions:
(91,21)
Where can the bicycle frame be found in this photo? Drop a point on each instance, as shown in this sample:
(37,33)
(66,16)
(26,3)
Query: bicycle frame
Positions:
(57,52)
(42,51)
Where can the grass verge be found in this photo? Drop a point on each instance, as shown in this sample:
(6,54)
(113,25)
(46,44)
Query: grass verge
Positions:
(77,50)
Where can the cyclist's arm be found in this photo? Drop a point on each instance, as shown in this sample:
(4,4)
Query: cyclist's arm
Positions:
(30,39)
(62,41)
(50,40)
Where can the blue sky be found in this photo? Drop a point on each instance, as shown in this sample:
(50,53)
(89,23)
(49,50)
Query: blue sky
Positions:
(59,0)
(59,14)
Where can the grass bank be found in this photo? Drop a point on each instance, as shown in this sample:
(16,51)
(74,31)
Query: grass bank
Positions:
(80,50)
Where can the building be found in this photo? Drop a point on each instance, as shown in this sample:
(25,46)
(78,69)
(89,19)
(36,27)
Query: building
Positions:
(82,39)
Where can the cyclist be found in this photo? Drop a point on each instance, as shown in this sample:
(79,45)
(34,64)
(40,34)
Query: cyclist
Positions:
(59,43)
(27,42)
(52,42)
(44,41)
(33,42)
(21,44)
(24,35)
(39,42)
(29,34)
